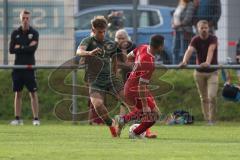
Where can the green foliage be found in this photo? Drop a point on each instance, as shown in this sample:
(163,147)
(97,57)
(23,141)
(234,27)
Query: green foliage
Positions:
(177,90)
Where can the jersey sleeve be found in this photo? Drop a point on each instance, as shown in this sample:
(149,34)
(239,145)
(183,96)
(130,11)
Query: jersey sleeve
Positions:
(85,42)
(12,50)
(133,52)
(193,42)
(214,40)
(35,36)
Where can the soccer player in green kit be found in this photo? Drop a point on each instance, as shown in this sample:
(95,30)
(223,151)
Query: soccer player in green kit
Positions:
(98,53)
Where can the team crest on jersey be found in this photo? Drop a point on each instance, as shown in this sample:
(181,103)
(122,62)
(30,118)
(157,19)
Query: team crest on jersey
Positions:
(94,43)
(30,36)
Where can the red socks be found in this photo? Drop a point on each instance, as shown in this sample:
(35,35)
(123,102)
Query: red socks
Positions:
(143,127)
(133,115)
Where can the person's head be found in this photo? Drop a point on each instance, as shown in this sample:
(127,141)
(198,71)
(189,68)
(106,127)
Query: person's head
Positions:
(25,19)
(184,1)
(121,36)
(203,29)
(99,27)
(116,20)
(156,44)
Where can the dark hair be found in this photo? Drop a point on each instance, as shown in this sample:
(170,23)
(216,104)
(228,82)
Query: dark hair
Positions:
(99,22)
(156,41)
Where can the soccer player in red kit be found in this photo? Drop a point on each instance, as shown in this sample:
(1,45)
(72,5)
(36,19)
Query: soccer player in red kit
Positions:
(136,89)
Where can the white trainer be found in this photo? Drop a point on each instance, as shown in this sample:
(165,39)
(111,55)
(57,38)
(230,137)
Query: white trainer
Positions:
(36,122)
(16,122)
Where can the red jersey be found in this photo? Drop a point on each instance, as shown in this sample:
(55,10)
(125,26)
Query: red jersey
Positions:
(142,72)
(143,65)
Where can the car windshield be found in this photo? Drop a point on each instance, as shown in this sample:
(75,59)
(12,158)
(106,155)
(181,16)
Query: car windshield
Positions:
(146,18)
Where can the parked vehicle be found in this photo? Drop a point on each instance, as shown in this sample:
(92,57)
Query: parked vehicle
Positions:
(151,20)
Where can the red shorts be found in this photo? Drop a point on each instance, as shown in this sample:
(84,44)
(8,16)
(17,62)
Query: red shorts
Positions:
(132,97)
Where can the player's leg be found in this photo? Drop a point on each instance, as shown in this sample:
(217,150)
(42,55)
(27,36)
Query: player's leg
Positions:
(149,119)
(155,117)
(17,88)
(97,99)
(31,84)
(35,107)
(122,119)
(18,104)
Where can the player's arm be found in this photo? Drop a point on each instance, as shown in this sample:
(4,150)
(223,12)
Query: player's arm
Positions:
(32,47)
(81,51)
(210,53)
(187,56)
(115,62)
(124,63)
(131,58)
(14,48)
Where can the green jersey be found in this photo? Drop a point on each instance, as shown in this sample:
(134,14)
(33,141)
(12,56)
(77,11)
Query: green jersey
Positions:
(98,67)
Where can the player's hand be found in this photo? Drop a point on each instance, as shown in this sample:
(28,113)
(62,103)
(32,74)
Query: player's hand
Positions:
(95,52)
(17,46)
(204,65)
(182,64)
(227,83)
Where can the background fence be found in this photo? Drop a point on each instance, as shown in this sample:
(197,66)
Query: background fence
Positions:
(63,23)
(54,21)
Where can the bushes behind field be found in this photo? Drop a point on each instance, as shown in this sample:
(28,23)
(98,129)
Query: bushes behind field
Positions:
(174,90)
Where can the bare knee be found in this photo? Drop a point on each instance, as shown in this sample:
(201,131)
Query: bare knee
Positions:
(97,103)
(204,99)
(33,95)
(18,95)
(212,99)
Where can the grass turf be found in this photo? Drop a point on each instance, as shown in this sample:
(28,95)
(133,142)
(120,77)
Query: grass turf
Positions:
(63,141)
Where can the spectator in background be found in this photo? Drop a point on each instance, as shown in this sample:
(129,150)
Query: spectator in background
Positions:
(115,22)
(122,69)
(205,46)
(209,10)
(182,25)
(125,46)
(24,42)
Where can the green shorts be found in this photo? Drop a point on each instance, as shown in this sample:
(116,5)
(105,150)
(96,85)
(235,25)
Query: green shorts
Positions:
(106,85)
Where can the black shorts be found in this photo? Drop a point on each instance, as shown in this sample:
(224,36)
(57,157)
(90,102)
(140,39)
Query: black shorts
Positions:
(23,78)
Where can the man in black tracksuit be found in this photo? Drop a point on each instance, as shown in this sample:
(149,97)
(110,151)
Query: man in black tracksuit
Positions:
(24,42)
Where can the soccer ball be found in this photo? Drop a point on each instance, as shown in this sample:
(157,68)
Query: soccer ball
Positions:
(132,134)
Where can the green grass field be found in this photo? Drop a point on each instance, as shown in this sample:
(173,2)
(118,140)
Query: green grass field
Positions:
(64,141)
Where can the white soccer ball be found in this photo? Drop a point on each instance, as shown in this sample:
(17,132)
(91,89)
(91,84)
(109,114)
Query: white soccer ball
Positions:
(132,135)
